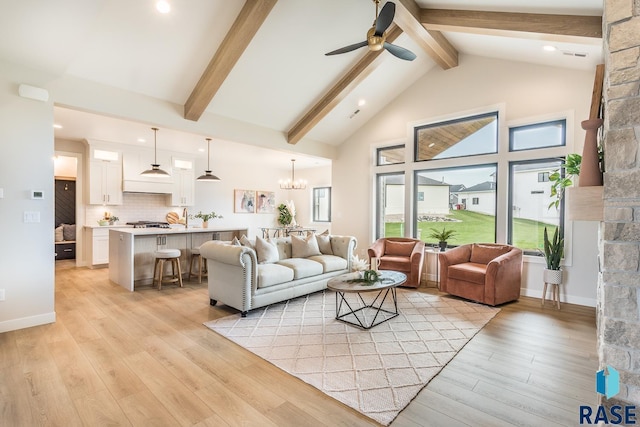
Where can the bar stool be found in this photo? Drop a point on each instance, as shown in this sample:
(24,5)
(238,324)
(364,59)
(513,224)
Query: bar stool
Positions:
(202,264)
(163,255)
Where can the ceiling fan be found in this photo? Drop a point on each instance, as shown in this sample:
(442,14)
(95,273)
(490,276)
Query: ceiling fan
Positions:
(376,36)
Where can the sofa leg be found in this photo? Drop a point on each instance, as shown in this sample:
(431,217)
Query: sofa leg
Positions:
(212,302)
(243,314)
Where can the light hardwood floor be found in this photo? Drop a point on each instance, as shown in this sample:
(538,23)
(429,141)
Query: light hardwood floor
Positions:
(144,358)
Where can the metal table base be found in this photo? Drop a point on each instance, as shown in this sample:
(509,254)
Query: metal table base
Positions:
(374,311)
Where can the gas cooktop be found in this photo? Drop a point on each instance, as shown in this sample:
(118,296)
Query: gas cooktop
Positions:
(149,224)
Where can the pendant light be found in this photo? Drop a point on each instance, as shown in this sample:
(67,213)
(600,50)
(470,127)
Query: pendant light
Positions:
(155,167)
(207,174)
(292,184)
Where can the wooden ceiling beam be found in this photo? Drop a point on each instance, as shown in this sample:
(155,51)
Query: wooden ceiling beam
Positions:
(244,28)
(574,28)
(433,42)
(340,90)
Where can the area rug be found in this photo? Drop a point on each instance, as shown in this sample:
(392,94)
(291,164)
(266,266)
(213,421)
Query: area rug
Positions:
(376,371)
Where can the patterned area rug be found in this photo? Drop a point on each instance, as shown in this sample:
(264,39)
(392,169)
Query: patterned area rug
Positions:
(376,371)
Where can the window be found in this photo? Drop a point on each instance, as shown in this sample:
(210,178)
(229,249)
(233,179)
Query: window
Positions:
(446,192)
(539,135)
(543,176)
(390,205)
(390,155)
(322,204)
(530,199)
(468,136)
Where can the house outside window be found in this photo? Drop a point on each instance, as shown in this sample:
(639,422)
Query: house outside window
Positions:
(390,205)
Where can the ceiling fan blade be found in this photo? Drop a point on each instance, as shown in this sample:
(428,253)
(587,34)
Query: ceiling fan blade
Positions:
(347,48)
(385,18)
(400,52)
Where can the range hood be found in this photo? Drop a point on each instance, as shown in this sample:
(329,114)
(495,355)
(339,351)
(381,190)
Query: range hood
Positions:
(155,187)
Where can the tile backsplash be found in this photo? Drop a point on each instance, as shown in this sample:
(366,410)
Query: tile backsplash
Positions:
(135,207)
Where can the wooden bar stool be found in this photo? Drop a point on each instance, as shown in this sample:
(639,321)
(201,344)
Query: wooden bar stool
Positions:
(202,265)
(163,255)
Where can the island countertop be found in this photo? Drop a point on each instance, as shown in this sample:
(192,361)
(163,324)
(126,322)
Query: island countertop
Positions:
(131,250)
(172,230)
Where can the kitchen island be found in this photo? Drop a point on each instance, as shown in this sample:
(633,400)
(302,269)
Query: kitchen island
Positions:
(131,250)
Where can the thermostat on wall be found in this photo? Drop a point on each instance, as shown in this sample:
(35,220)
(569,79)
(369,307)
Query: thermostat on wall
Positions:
(37,194)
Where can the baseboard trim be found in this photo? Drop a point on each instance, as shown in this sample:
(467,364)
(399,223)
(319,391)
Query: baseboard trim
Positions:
(27,322)
(570,299)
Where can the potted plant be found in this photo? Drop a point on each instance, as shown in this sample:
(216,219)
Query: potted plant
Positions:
(205,217)
(113,219)
(563,178)
(284,217)
(442,236)
(553,253)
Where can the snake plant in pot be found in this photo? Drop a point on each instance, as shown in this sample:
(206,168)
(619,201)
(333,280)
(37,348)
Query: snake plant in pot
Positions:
(553,253)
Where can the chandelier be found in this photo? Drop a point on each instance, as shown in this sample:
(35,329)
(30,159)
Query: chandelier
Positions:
(293,184)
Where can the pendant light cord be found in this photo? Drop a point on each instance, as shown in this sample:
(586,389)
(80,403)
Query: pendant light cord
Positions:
(155,146)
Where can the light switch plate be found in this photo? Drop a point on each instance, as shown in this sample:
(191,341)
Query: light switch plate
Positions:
(1,193)
(1,294)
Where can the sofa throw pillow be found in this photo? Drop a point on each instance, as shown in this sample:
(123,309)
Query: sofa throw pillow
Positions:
(69,231)
(235,242)
(244,241)
(324,244)
(59,234)
(484,254)
(303,247)
(267,252)
(398,248)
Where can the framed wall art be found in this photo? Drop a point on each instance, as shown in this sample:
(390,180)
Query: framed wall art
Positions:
(244,201)
(265,201)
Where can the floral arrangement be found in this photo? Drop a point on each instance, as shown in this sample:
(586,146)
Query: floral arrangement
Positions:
(358,264)
(206,216)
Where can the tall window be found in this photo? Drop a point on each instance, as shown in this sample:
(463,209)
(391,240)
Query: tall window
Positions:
(529,200)
(446,196)
(322,204)
(468,136)
(390,205)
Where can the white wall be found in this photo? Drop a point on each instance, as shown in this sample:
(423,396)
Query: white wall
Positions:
(26,249)
(521,92)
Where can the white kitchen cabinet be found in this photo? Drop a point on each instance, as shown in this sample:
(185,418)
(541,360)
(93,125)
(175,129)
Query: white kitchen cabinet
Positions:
(105,178)
(97,243)
(183,193)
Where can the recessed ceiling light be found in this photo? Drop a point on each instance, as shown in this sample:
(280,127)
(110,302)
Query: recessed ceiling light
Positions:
(361,102)
(142,140)
(549,48)
(57,126)
(163,6)
(201,150)
(432,144)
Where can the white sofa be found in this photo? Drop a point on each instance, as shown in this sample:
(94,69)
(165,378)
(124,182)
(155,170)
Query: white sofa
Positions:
(239,281)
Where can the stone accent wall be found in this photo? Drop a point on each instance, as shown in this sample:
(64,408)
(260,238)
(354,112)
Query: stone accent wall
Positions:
(618,287)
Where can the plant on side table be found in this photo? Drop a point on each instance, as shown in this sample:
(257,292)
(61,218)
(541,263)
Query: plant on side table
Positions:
(553,253)
(442,236)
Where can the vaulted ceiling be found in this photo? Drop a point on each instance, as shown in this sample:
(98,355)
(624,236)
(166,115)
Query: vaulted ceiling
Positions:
(262,61)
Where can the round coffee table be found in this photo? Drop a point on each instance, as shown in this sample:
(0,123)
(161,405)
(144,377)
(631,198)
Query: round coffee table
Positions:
(362,314)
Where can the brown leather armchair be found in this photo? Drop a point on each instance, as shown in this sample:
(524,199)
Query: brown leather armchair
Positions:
(484,272)
(400,254)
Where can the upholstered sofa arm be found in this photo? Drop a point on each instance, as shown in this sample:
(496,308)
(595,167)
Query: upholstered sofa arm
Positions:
(377,249)
(503,277)
(224,253)
(344,247)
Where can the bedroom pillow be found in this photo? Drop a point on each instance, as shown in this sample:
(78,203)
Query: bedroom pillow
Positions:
(324,243)
(69,231)
(267,252)
(59,233)
(303,247)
